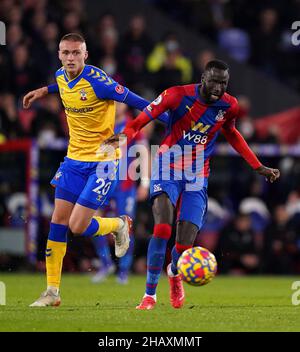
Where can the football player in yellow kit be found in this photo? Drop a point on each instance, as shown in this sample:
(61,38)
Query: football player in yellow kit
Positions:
(86,178)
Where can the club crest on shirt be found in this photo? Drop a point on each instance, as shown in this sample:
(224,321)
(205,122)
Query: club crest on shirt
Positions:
(83,94)
(220,115)
(157,188)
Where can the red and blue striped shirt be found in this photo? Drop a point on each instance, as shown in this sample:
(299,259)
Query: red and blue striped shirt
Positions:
(193,122)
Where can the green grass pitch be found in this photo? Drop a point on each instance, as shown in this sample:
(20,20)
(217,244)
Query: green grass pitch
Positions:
(225,304)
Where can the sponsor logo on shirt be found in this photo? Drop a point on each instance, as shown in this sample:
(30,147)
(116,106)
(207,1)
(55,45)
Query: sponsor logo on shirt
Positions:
(79,111)
(199,127)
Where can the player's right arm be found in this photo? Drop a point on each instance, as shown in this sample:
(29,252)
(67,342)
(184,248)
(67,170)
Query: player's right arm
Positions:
(168,100)
(36,94)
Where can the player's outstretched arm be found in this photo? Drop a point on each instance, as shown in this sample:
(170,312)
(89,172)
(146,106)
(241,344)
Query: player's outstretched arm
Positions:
(32,96)
(137,102)
(117,92)
(241,146)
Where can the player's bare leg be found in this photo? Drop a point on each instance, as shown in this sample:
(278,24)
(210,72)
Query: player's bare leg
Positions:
(186,233)
(79,219)
(83,222)
(56,249)
(163,212)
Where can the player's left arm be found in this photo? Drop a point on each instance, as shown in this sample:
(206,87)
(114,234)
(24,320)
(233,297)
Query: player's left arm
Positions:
(237,141)
(114,91)
(137,102)
(39,93)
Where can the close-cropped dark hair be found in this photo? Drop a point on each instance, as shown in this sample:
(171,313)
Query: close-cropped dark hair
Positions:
(221,65)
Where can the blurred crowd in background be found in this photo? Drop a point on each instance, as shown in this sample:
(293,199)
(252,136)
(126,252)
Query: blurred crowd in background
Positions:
(257,33)
(251,226)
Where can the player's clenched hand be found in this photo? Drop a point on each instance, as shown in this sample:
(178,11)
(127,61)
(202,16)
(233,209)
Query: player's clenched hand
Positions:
(269,173)
(30,97)
(117,140)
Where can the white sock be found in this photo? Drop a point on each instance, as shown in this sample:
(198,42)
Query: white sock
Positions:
(53,289)
(153,296)
(170,272)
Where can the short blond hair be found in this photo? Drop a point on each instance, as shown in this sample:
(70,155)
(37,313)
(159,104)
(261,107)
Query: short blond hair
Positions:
(73,37)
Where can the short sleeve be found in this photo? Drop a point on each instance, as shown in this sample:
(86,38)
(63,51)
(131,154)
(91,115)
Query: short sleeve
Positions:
(53,88)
